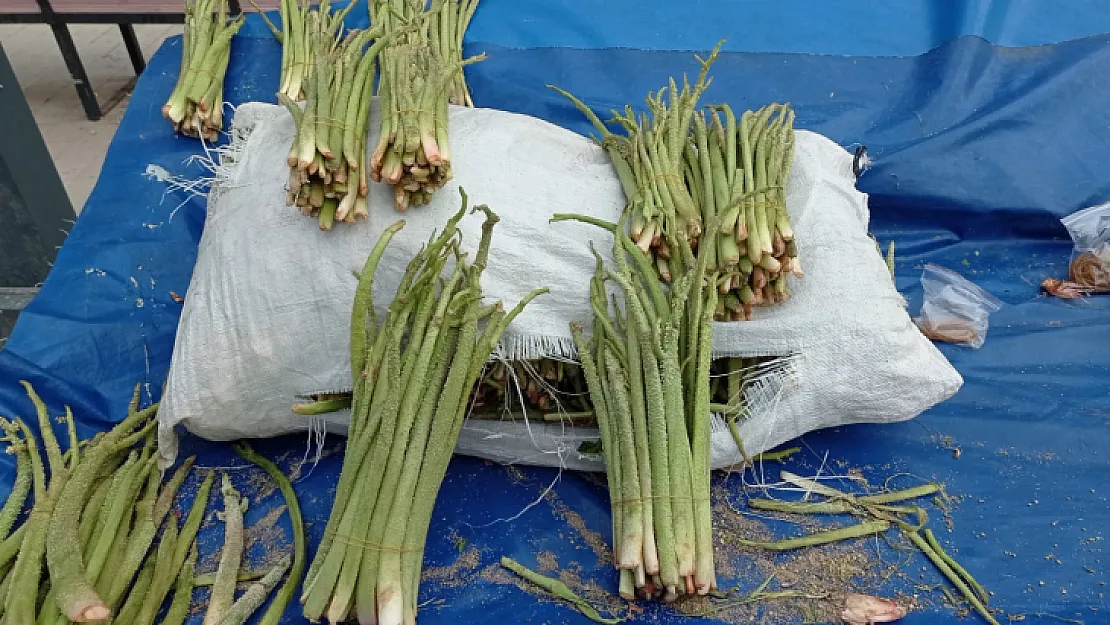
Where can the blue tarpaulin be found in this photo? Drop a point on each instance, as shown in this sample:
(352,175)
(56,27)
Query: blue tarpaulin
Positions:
(986,122)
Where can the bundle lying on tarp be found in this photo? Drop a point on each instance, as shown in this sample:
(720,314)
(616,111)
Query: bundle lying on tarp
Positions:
(244,354)
(414,369)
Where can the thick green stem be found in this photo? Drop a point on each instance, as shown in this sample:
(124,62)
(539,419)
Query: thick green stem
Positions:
(557,589)
(296,521)
(223,590)
(75,593)
(865,528)
(183,592)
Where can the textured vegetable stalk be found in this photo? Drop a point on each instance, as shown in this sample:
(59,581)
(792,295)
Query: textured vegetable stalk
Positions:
(195,107)
(75,593)
(18,447)
(327,157)
(183,591)
(409,404)
(223,590)
(421,70)
(654,416)
(296,522)
(681,168)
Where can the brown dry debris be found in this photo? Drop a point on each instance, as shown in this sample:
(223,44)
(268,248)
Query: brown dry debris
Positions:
(546,562)
(459,573)
(594,539)
(809,585)
(266,531)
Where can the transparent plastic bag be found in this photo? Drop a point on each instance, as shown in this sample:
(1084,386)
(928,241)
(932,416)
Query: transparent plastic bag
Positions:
(1089,228)
(955,310)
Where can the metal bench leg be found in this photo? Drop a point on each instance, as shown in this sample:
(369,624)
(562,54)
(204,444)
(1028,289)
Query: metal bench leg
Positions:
(133,50)
(76,70)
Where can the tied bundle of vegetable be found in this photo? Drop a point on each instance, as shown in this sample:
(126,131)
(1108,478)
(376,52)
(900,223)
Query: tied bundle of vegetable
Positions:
(94,521)
(413,153)
(647,369)
(301,28)
(738,171)
(196,105)
(681,168)
(413,370)
(448,21)
(327,160)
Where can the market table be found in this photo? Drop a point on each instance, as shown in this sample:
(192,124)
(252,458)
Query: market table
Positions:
(978,150)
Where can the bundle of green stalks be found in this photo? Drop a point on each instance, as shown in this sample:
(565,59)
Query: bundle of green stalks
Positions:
(448,21)
(414,371)
(327,161)
(195,108)
(98,509)
(647,367)
(420,71)
(681,168)
(302,28)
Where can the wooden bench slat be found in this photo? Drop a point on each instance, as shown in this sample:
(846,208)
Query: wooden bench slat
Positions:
(76,7)
(20,7)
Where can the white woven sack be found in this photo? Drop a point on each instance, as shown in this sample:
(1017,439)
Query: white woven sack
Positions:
(267,313)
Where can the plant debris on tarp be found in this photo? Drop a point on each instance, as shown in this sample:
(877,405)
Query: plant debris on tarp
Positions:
(806,585)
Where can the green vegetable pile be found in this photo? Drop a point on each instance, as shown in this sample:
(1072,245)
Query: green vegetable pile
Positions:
(98,509)
(195,107)
(414,370)
(716,180)
(647,367)
(421,69)
(335,74)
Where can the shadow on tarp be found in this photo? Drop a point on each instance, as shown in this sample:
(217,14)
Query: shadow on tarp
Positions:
(978,151)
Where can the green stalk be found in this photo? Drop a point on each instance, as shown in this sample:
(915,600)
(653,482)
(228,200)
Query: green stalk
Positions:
(335,581)
(323,77)
(679,451)
(952,576)
(183,593)
(13,505)
(559,590)
(277,607)
(162,578)
(711,195)
(704,575)
(391,596)
(401,476)
(456,386)
(611,451)
(75,593)
(223,589)
(256,594)
(147,526)
(632,546)
(824,537)
(408,550)
(362,315)
(730,254)
(130,609)
(657,435)
(9,547)
(46,431)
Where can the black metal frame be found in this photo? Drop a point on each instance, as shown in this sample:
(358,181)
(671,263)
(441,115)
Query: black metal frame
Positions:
(34,209)
(59,24)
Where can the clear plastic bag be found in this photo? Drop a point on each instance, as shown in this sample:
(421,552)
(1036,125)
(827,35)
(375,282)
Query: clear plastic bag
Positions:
(955,310)
(1090,260)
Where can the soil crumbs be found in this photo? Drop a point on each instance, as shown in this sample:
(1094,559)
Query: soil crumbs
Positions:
(808,585)
(460,573)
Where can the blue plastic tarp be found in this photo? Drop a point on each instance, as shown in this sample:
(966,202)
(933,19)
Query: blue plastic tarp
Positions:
(978,151)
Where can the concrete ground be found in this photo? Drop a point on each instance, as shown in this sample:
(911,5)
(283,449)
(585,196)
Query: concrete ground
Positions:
(77,145)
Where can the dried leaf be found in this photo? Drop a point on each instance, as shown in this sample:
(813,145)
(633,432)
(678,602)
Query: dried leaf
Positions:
(866,610)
